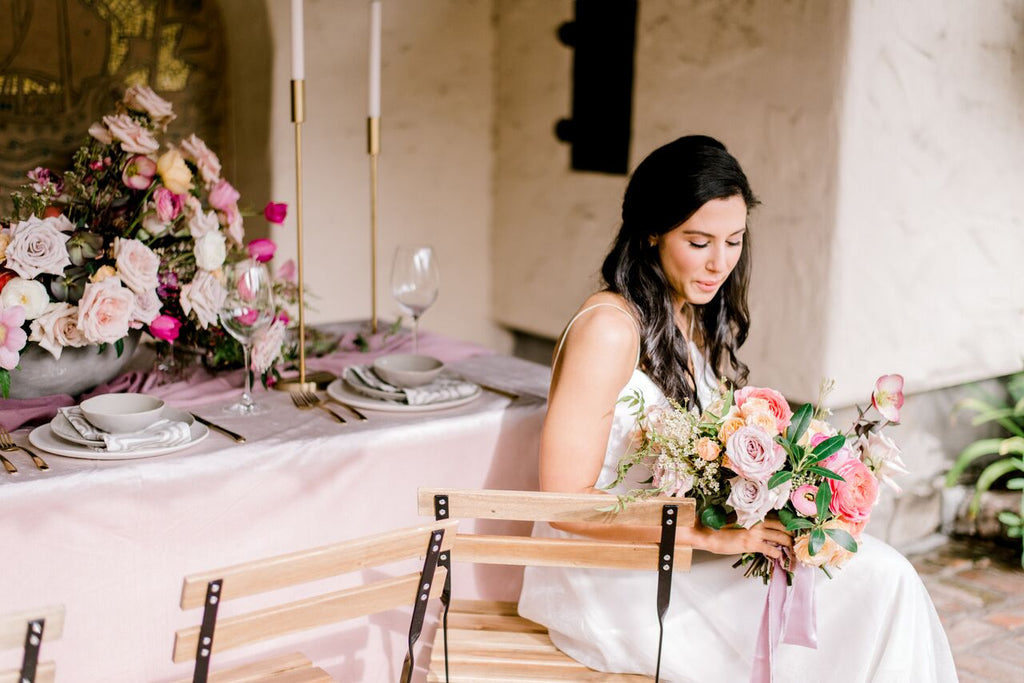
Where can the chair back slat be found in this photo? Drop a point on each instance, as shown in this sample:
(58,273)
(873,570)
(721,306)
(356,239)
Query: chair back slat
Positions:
(309,613)
(259,576)
(533,506)
(12,626)
(45,673)
(548,552)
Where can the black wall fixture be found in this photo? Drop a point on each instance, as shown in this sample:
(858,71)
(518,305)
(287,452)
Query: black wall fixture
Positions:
(603,36)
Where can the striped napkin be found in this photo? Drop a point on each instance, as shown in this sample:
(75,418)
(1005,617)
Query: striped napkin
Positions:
(447,387)
(162,433)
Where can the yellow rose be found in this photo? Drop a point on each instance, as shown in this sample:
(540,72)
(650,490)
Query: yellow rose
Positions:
(174,172)
(103,273)
(708,449)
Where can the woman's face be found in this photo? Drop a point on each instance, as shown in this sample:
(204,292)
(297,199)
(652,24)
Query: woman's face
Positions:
(698,255)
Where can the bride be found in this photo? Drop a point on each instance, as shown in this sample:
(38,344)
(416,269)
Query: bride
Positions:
(668,322)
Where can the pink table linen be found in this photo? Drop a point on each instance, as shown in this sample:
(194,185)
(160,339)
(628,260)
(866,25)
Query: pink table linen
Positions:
(112,540)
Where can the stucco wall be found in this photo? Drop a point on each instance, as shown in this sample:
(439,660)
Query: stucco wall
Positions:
(435,163)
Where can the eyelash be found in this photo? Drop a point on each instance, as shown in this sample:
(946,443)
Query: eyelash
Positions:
(701,246)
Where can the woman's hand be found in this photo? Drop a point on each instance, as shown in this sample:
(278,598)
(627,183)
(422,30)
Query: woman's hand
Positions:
(767,537)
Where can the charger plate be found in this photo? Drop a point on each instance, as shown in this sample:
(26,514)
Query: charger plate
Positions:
(341,391)
(54,438)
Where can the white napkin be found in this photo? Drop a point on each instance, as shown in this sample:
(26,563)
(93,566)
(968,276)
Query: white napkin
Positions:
(161,433)
(447,387)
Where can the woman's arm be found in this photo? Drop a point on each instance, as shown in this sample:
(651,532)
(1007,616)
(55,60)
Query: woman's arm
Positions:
(597,360)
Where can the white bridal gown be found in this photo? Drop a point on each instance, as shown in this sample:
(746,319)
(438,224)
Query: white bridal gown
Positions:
(875,620)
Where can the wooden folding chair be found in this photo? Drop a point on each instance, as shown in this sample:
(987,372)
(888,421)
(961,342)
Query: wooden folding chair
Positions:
(210,589)
(26,630)
(488,641)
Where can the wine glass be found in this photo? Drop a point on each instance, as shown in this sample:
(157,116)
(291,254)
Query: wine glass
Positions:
(248,309)
(414,282)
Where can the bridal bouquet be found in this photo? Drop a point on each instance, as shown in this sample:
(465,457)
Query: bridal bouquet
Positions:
(748,455)
(132,237)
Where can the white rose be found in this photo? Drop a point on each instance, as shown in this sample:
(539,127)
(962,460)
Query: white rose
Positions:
(105,311)
(31,294)
(204,295)
(883,457)
(153,225)
(38,246)
(57,328)
(134,138)
(752,500)
(200,223)
(267,347)
(210,251)
(142,98)
(137,265)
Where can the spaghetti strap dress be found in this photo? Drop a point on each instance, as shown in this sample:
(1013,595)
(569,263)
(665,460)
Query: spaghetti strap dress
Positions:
(875,620)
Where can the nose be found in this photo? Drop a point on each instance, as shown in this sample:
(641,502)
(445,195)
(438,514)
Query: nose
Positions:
(717,261)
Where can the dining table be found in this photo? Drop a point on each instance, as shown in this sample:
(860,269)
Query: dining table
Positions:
(112,539)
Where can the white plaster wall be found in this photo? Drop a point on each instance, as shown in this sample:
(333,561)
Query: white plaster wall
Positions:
(435,163)
(926,266)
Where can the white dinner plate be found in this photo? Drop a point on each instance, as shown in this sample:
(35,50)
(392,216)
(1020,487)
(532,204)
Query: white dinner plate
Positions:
(341,391)
(54,438)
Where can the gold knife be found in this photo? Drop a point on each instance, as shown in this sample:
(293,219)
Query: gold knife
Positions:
(351,409)
(226,432)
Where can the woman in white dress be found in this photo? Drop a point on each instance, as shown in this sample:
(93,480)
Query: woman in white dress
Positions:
(669,321)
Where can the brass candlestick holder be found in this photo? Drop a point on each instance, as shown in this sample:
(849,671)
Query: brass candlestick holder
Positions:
(319,379)
(373,148)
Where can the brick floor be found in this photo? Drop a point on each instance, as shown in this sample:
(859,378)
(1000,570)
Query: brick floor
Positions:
(978,590)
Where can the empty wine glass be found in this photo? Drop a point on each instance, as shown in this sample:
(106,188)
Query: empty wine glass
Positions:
(248,308)
(415,280)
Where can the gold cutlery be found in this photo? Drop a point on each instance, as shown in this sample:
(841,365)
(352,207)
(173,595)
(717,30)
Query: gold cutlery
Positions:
(238,438)
(7,445)
(351,409)
(305,400)
(501,392)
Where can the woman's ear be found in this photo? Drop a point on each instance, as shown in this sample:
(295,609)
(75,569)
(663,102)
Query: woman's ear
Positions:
(652,240)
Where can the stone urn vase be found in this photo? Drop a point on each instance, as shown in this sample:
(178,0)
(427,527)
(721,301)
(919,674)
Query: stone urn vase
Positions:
(76,371)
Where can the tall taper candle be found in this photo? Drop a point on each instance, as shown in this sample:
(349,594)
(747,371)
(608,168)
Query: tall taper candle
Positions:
(298,47)
(375,29)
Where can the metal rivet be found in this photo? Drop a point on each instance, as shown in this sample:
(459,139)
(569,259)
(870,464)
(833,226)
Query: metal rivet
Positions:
(444,556)
(215,588)
(442,501)
(213,599)
(670,511)
(434,548)
(205,652)
(442,512)
(34,639)
(36,628)
(665,567)
(422,597)
(667,558)
(668,522)
(206,640)
(437,537)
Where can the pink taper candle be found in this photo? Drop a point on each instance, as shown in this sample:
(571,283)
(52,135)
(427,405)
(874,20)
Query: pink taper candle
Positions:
(298,48)
(375,29)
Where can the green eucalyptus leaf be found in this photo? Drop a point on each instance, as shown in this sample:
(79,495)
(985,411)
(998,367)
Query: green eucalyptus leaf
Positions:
(713,517)
(843,538)
(817,541)
(798,425)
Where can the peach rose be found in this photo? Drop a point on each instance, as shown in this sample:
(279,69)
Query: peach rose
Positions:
(765,421)
(729,426)
(777,403)
(707,449)
(174,172)
(831,554)
(853,498)
(105,311)
(102,273)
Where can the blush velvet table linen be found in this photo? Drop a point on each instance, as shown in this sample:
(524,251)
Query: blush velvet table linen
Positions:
(112,540)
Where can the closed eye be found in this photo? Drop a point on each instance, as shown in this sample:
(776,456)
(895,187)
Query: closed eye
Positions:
(738,243)
(697,245)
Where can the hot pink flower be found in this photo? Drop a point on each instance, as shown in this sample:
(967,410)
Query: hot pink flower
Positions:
(777,404)
(139,172)
(275,213)
(168,204)
(165,327)
(887,397)
(223,196)
(12,337)
(853,498)
(261,250)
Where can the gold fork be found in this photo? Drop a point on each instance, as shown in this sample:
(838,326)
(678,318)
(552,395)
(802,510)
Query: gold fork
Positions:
(306,400)
(7,445)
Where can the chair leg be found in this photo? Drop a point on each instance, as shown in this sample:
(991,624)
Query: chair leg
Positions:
(33,640)
(419,609)
(666,556)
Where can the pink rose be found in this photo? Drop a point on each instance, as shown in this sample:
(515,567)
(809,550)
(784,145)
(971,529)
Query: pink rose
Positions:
(147,308)
(853,498)
(12,337)
(754,454)
(38,246)
(777,404)
(261,250)
(134,138)
(99,132)
(168,204)
(753,500)
(105,311)
(232,218)
(57,328)
(803,500)
(287,271)
(139,172)
(205,160)
(223,196)
(136,264)
(141,98)
(165,327)
(275,213)
(204,295)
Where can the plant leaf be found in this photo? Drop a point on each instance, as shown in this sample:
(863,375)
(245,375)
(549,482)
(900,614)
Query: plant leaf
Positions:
(713,517)
(988,477)
(798,523)
(1009,518)
(969,455)
(823,500)
(798,425)
(817,541)
(119,347)
(828,447)
(1014,444)
(780,477)
(843,538)
(824,472)
(5,382)
(1016,484)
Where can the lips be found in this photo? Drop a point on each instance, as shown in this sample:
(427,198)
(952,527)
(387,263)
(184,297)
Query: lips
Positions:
(708,285)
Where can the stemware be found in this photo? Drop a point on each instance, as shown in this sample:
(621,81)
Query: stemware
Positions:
(415,280)
(248,309)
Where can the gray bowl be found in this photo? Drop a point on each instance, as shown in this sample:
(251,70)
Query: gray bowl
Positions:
(407,369)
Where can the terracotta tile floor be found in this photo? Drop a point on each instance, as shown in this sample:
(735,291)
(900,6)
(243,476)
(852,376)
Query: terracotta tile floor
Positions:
(978,590)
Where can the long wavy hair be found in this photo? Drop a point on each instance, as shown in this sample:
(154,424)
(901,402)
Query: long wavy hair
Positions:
(668,187)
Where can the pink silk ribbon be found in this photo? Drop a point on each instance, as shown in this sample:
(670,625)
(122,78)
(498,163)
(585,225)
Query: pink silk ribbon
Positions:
(789,617)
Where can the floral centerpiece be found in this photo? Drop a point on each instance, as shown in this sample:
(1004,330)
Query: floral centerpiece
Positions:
(132,237)
(748,455)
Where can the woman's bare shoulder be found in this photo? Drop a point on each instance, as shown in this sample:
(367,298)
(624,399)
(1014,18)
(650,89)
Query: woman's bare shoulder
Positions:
(604,323)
